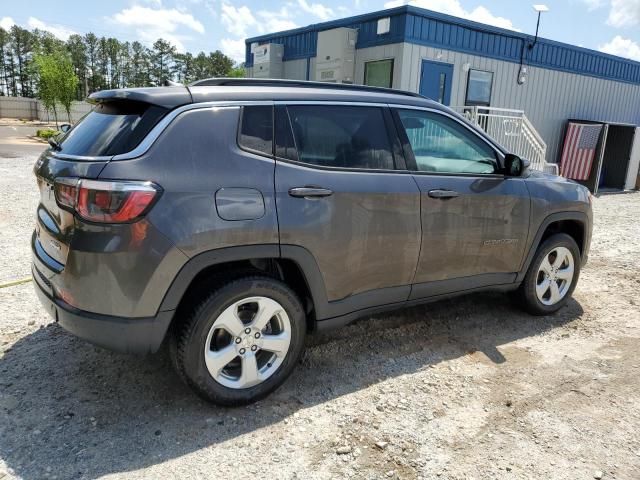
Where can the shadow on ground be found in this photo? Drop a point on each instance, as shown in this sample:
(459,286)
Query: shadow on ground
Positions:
(75,410)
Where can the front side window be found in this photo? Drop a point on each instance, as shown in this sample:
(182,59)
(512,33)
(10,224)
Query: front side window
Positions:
(442,145)
(256,129)
(345,137)
(479,87)
(379,73)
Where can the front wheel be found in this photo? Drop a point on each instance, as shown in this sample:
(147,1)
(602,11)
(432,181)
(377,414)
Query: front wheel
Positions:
(242,341)
(552,275)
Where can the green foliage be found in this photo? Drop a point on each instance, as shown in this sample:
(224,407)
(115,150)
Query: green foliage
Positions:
(46,133)
(100,63)
(237,72)
(57,81)
(47,81)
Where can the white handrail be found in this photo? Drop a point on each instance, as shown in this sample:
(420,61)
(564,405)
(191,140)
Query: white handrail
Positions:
(513,130)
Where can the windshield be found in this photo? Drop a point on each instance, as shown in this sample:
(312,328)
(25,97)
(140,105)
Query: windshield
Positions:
(111,129)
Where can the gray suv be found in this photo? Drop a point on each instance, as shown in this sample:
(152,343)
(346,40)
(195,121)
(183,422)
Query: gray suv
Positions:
(232,217)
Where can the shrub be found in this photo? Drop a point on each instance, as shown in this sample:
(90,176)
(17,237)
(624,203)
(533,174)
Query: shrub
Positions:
(46,133)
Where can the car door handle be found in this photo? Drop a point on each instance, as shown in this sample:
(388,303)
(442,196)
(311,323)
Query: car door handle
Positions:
(305,192)
(443,194)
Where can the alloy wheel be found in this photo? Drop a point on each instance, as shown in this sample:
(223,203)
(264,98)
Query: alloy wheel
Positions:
(555,276)
(248,342)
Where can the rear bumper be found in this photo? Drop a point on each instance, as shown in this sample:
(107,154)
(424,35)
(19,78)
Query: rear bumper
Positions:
(129,335)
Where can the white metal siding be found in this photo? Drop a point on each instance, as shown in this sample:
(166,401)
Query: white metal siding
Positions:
(548,98)
(383,52)
(634,164)
(295,69)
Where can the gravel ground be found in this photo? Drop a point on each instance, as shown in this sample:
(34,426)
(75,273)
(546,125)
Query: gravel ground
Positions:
(461,389)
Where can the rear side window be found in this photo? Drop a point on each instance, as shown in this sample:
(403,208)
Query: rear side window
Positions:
(285,147)
(111,128)
(346,137)
(256,129)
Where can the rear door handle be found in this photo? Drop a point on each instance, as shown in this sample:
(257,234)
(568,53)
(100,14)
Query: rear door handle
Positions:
(306,192)
(443,194)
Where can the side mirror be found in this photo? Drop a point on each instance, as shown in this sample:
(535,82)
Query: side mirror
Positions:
(65,127)
(514,166)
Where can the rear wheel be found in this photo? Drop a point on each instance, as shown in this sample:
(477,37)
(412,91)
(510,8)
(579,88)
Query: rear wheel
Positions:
(552,275)
(242,341)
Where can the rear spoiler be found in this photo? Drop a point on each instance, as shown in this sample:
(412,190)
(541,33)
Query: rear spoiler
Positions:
(166,97)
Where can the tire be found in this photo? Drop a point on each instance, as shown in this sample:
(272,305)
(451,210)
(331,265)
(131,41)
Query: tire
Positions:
(235,309)
(535,280)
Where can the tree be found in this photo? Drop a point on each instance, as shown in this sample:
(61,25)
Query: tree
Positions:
(140,66)
(101,62)
(183,67)
(21,40)
(48,77)
(4,74)
(220,64)
(238,72)
(78,51)
(161,59)
(92,45)
(67,83)
(57,82)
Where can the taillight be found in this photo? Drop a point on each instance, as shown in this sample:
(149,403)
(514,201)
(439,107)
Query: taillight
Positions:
(105,201)
(66,190)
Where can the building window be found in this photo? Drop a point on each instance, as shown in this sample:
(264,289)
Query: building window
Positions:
(479,87)
(379,73)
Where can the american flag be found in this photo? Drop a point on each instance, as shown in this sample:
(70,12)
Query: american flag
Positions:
(579,150)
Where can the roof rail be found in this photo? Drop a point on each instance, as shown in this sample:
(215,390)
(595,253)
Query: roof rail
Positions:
(277,82)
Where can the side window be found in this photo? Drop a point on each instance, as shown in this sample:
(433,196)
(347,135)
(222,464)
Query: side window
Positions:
(442,145)
(285,147)
(256,129)
(346,137)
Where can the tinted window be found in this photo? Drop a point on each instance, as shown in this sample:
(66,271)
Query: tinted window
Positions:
(111,128)
(479,88)
(442,145)
(379,73)
(256,130)
(347,137)
(285,147)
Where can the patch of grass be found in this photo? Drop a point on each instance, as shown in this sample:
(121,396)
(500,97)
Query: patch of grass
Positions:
(46,133)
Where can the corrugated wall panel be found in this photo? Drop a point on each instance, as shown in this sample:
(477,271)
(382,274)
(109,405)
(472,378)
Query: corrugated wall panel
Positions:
(549,97)
(295,69)
(423,27)
(394,51)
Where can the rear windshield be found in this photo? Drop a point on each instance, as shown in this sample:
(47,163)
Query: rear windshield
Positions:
(111,128)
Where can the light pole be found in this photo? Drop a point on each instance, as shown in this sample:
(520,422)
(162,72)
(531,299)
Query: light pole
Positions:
(539,9)
(522,72)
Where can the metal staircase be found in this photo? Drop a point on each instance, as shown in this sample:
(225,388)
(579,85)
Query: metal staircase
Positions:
(513,130)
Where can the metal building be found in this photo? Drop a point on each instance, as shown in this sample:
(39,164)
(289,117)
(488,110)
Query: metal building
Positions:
(475,68)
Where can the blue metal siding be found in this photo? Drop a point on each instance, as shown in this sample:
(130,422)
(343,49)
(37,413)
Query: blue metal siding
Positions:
(424,27)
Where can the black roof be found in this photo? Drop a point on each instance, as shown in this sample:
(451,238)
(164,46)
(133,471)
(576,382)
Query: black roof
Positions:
(249,89)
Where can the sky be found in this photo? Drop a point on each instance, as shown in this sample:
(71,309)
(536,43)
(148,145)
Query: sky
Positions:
(612,26)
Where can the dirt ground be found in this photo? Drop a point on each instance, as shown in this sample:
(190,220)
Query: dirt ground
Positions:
(469,388)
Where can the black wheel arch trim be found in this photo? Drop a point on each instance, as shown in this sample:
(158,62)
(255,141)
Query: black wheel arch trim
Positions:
(300,255)
(555,217)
